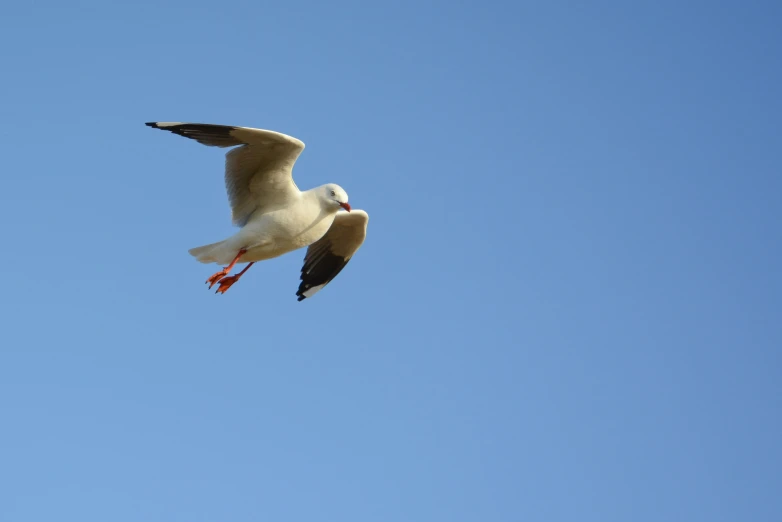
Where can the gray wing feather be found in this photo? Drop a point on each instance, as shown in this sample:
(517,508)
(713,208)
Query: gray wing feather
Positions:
(258,173)
(326,257)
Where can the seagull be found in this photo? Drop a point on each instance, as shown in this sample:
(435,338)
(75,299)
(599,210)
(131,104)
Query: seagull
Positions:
(275,217)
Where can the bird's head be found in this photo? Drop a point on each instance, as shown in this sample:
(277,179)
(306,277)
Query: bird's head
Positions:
(336,196)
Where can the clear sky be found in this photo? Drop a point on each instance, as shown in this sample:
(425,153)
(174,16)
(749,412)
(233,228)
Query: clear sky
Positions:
(568,307)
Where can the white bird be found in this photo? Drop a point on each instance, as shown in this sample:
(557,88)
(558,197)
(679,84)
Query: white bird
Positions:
(274,215)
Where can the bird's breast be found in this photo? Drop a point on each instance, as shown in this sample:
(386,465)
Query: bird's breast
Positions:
(291,228)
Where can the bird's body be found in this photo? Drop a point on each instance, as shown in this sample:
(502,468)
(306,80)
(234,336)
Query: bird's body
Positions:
(274,216)
(274,233)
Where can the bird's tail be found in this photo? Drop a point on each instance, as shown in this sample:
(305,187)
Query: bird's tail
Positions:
(208,253)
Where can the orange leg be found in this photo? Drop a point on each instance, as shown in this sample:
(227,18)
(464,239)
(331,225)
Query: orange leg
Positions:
(226,282)
(224,272)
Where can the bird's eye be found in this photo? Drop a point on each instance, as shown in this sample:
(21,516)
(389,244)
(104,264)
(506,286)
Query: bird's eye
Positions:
(333,193)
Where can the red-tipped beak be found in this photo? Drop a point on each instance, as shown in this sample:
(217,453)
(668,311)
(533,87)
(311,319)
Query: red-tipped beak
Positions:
(345,206)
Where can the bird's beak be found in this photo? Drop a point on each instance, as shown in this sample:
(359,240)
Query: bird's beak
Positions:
(345,206)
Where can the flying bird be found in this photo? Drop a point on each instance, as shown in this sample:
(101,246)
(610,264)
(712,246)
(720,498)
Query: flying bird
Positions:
(274,216)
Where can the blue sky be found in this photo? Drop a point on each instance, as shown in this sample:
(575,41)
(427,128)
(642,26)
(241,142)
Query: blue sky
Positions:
(567,307)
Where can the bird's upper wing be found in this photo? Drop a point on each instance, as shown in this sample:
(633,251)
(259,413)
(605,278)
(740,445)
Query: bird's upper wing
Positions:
(258,173)
(327,256)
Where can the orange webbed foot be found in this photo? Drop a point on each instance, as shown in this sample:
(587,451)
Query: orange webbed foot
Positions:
(216,277)
(225,284)
(224,272)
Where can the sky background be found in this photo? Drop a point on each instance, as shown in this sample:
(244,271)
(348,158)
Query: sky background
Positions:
(568,306)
